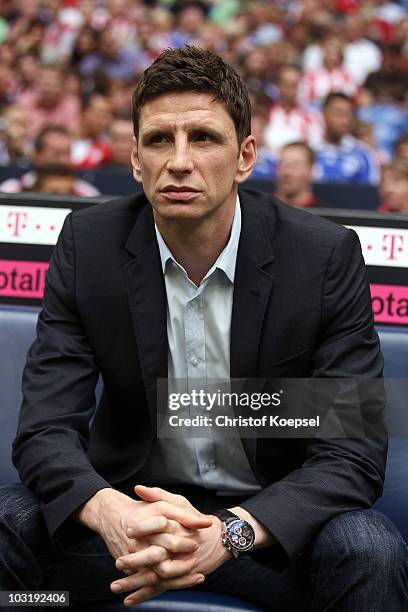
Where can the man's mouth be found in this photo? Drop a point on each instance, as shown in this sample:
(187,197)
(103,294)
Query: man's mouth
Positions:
(179,193)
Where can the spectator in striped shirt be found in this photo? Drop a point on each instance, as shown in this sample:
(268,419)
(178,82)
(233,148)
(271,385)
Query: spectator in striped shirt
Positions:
(331,77)
(342,157)
(290,121)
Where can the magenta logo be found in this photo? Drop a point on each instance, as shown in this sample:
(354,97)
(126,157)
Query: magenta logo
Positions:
(393,246)
(22,279)
(390,304)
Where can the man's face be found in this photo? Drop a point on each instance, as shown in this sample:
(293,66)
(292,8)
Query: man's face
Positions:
(339,118)
(49,87)
(56,184)
(56,149)
(187,155)
(394,190)
(288,85)
(294,172)
(98,116)
(121,135)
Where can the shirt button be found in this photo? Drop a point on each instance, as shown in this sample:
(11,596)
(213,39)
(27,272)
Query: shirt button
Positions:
(194,361)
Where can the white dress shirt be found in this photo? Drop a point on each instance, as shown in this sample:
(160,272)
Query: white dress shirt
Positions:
(198,330)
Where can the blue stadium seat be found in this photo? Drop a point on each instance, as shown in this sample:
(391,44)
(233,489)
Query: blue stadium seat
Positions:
(17,330)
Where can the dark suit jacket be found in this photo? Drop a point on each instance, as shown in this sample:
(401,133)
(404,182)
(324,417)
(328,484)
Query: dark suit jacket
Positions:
(301,308)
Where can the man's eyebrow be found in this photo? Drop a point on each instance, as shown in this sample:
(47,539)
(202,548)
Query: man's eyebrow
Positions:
(191,128)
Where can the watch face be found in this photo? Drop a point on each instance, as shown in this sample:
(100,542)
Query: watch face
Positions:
(240,535)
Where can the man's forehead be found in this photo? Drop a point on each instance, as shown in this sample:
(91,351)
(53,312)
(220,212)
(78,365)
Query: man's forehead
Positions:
(183,110)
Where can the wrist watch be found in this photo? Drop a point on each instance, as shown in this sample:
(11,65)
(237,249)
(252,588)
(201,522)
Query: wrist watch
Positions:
(238,536)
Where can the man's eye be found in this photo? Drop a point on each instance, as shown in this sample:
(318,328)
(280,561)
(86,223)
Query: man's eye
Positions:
(157,138)
(202,137)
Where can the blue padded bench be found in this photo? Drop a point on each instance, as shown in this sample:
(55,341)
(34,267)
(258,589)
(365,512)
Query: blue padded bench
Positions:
(17,330)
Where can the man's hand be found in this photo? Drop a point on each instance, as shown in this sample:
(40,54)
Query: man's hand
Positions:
(162,537)
(111,513)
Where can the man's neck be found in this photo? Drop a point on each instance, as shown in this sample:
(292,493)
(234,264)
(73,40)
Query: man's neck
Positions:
(197,245)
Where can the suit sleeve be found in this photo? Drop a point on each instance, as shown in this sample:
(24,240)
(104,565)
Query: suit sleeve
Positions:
(59,380)
(338,474)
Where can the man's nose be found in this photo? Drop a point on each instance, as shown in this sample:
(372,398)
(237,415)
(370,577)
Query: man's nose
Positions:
(180,160)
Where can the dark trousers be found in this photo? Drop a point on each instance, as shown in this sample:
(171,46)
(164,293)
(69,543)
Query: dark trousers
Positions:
(358,562)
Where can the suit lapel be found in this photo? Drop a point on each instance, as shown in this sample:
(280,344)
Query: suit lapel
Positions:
(252,288)
(147,297)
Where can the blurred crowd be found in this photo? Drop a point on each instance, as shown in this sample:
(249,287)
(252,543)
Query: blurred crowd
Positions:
(328,81)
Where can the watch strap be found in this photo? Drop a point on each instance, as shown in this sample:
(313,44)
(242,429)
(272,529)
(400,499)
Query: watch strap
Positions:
(225,515)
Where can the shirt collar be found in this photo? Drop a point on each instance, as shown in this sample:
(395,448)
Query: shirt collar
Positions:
(227,259)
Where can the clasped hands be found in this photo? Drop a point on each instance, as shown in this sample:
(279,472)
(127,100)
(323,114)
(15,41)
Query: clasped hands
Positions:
(170,545)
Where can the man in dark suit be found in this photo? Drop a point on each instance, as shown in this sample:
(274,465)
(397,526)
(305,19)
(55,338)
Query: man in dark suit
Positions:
(194,280)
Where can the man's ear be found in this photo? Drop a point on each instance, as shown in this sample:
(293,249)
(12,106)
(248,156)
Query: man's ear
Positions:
(247,159)
(134,158)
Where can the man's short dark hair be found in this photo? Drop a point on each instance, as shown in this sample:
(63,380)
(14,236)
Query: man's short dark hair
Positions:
(39,142)
(193,69)
(337,95)
(286,68)
(301,144)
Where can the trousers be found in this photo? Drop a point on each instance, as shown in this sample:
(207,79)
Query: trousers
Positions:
(357,562)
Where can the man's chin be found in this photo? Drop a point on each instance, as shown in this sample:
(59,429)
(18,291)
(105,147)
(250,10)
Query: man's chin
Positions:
(180,211)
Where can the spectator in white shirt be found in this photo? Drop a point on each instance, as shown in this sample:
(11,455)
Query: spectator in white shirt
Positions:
(290,121)
(333,76)
(361,55)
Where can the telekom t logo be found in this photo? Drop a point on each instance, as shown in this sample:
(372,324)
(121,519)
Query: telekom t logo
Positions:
(393,244)
(17,221)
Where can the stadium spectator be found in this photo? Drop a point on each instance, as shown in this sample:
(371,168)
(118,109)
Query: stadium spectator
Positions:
(120,97)
(27,69)
(91,149)
(394,187)
(190,20)
(290,121)
(7,82)
(121,142)
(333,76)
(401,149)
(49,103)
(256,70)
(364,131)
(85,45)
(294,175)
(55,178)
(14,145)
(388,117)
(121,17)
(361,55)
(390,82)
(265,167)
(102,47)
(109,58)
(341,157)
(52,146)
